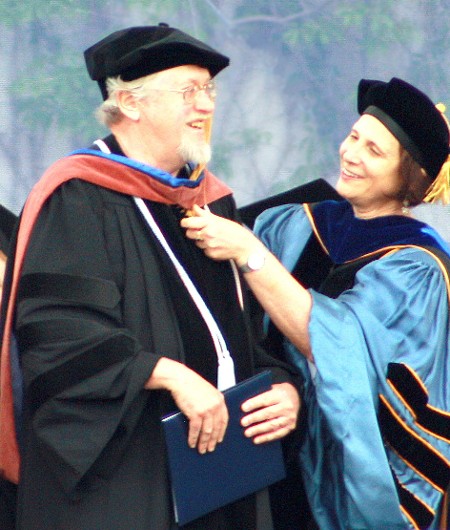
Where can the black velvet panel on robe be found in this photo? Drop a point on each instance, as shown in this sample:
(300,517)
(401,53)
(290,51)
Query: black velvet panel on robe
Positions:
(347,237)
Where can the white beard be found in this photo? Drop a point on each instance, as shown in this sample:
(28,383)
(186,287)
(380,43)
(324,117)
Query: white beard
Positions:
(194,151)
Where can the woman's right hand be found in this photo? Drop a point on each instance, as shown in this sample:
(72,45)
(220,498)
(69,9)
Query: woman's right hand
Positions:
(220,238)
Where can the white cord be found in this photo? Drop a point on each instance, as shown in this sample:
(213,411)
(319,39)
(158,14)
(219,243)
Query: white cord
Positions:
(225,374)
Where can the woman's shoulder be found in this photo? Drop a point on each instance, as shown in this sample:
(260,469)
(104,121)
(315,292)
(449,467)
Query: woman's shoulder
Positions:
(279,222)
(280,215)
(422,255)
(409,268)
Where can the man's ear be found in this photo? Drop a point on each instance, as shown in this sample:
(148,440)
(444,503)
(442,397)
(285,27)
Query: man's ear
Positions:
(128,104)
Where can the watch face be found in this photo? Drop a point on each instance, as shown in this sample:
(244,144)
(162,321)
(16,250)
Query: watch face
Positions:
(256,261)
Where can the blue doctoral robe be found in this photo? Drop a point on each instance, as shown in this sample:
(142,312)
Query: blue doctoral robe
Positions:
(381,361)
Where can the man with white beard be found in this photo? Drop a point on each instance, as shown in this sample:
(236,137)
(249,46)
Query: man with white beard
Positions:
(110,331)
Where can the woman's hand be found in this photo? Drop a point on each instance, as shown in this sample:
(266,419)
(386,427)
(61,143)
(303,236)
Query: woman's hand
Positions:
(220,238)
(271,415)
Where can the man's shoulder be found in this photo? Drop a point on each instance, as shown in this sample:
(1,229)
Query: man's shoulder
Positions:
(80,191)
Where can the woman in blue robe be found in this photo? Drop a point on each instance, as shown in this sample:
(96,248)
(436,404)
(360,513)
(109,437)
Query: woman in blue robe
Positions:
(360,291)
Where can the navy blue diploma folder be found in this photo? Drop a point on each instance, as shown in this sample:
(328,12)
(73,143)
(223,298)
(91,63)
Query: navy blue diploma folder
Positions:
(237,467)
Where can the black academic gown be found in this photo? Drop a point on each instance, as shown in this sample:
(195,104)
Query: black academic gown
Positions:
(7,489)
(99,304)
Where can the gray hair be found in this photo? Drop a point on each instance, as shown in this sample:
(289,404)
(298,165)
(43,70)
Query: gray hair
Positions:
(109,113)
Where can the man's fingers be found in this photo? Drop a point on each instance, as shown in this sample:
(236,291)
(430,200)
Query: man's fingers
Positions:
(269,436)
(195,427)
(206,440)
(271,415)
(221,426)
(266,399)
(208,432)
(261,415)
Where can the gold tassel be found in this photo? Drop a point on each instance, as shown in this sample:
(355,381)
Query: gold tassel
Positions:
(197,171)
(440,188)
(200,167)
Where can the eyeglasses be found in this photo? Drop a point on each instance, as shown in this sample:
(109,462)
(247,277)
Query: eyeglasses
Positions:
(190,93)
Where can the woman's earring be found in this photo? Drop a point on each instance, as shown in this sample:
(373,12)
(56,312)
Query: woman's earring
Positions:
(405,207)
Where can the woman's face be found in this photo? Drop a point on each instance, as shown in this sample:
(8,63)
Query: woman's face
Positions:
(370,169)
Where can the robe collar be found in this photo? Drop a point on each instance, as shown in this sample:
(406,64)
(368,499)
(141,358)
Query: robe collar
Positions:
(346,237)
(124,175)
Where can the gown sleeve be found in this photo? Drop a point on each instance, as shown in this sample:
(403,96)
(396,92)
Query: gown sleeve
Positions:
(395,315)
(83,367)
(274,227)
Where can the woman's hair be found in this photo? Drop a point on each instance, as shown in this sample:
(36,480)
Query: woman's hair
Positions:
(109,113)
(415,178)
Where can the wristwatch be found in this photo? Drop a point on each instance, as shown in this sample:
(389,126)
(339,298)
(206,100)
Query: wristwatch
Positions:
(255,261)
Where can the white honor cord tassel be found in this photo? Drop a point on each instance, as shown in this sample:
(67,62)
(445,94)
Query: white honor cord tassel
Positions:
(225,373)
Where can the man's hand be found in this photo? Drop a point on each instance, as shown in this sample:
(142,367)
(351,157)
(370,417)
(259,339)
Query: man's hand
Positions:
(198,400)
(271,415)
